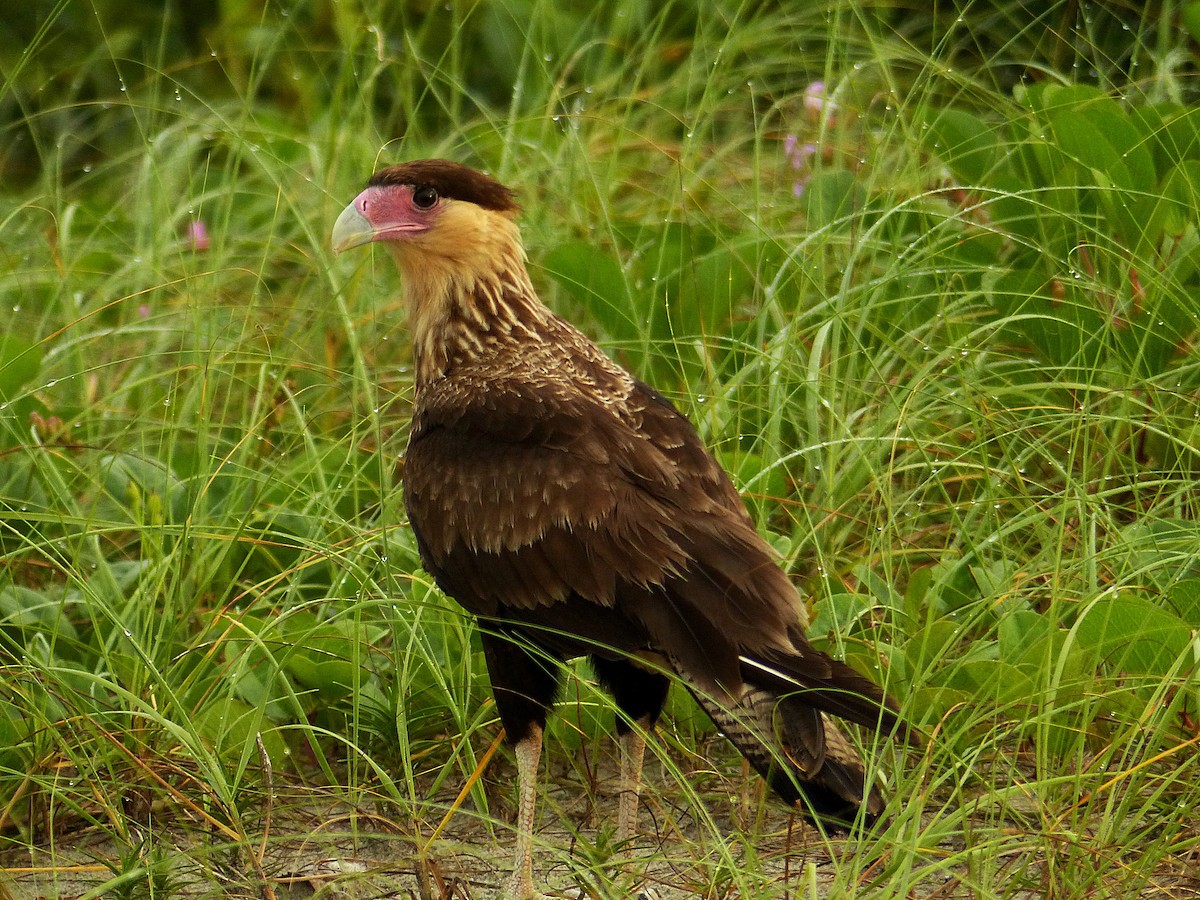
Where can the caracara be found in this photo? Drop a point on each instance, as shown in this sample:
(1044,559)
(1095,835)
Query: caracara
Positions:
(575,512)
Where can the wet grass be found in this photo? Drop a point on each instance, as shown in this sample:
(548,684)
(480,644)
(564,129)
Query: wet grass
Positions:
(208,595)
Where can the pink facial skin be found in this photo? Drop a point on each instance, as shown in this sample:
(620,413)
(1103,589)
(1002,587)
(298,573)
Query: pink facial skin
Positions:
(385,213)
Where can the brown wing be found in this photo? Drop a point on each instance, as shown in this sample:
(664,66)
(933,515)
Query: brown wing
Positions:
(534,494)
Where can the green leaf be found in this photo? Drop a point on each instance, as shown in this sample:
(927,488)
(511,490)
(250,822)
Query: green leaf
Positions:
(231,726)
(1020,630)
(143,486)
(955,585)
(1015,208)
(932,704)
(14,732)
(1081,139)
(19,606)
(1163,551)
(965,143)
(20,362)
(992,681)
(1190,16)
(1048,96)
(926,649)
(1131,634)
(916,593)
(721,283)
(323,657)
(1068,331)
(830,199)
(1105,141)
(27,608)
(594,278)
(1072,670)
(1172,133)
(1180,196)
(1183,597)
(838,613)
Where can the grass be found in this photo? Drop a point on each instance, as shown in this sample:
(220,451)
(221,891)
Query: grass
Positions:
(218,654)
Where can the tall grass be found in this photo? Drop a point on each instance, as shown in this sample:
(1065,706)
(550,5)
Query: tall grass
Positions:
(215,638)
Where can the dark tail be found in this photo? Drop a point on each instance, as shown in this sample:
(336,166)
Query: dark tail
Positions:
(782,725)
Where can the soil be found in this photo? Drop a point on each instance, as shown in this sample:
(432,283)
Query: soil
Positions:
(306,842)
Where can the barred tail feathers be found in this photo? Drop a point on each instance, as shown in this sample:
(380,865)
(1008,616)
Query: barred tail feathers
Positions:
(799,750)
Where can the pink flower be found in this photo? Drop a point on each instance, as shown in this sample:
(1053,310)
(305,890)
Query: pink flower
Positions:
(799,157)
(197,233)
(817,103)
(801,154)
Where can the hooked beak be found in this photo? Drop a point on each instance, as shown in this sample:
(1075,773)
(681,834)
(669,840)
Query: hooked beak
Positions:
(352,229)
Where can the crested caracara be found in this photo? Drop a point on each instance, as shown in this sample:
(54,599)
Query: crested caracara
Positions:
(575,512)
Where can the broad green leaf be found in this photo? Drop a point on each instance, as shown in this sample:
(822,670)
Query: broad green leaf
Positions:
(14,731)
(1066,330)
(21,489)
(144,486)
(1015,207)
(1128,139)
(992,681)
(232,727)
(931,704)
(1131,634)
(1053,97)
(838,613)
(1162,551)
(1070,666)
(594,278)
(1180,195)
(1189,15)
(954,585)
(1183,599)
(917,593)
(721,284)
(965,143)
(830,199)
(20,606)
(1080,138)
(925,650)
(1148,340)
(1101,137)
(20,362)
(1020,630)
(1183,268)
(1172,133)
(323,656)
(27,608)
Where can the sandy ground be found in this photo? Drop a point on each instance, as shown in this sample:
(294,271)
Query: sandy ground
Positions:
(304,843)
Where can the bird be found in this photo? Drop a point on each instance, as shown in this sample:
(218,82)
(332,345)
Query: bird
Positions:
(575,512)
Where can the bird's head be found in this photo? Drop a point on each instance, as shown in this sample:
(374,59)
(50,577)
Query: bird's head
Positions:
(429,211)
(453,233)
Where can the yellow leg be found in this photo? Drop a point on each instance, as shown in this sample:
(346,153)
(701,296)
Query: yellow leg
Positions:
(633,751)
(528,752)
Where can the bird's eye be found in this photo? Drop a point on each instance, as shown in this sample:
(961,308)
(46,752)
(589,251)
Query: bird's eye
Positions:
(424,197)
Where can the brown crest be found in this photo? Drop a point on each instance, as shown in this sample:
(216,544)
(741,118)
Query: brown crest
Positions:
(449,179)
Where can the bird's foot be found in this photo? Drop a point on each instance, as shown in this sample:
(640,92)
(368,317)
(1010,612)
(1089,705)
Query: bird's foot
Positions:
(520,887)
(644,892)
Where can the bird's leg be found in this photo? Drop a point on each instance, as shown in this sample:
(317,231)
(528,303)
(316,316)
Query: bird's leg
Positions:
(633,751)
(528,752)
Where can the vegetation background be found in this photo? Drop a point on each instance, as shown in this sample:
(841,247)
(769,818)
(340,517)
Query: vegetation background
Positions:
(927,278)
